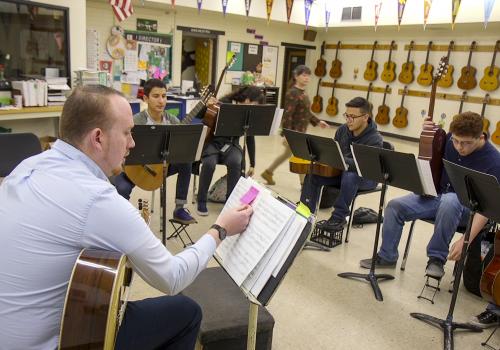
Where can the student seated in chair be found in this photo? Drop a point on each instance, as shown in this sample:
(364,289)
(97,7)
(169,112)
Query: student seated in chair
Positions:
(359,128)
(61,202)
(227,150)
(155,95)
(468,146)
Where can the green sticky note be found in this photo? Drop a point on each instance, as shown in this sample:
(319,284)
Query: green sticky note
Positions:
(303,210)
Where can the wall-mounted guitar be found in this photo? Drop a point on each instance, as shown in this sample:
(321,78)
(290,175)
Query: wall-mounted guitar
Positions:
(432,142)
(400,120)
(371,67)
(389,73)
(333,104)
(424,78)
(486,122)
(406,74)
(467,80)
(382,116)
(489,82)
(495,137)
(336,70)
(317,105)
(320,70)
(447,80)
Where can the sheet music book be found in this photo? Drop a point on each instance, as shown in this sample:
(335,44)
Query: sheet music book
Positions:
(258,258)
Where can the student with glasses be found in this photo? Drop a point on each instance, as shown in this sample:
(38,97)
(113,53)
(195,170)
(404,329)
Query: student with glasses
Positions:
(359,128)
(468,146)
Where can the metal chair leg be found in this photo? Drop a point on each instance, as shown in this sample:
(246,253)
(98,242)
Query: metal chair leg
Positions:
(349,224)
(407,249)
(193,200)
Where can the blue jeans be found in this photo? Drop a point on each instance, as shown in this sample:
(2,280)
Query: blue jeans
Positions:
(124,186)
(349,183)
(167,322)
(446,211)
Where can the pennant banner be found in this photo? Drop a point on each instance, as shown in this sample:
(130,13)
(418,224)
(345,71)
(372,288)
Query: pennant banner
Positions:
(307,7)
(224,6)
(328,12)
(173,3)
(427,8)
(247,6)
(269,8)
(122,8)
(378,7)
(289,5)
(455,6)
(198,2)
(488,7)
(401,9)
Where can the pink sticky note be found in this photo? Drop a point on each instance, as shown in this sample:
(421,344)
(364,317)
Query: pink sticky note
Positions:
(249,197)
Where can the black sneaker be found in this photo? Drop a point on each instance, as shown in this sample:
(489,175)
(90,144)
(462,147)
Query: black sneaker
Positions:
(485,319)
(435,268)
(332,225)
(379,262)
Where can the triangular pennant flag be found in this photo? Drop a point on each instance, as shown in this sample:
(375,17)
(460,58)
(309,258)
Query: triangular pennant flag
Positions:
(401,10)
(455,6)
(269,8)
(427,8)
(247,6)
(122,8)
(173,3)
(488,7)
(224,6)
(289,5)
(328,12)
(307,7)
(378,7)
(198,2)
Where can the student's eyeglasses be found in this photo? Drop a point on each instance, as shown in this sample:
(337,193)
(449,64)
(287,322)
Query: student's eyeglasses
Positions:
(467,143)
(352,117)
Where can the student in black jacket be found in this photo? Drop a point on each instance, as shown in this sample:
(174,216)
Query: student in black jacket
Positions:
(359,128)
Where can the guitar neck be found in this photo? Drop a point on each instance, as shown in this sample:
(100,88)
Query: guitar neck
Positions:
(473,45)
(462,100)
(385,94)
(494,57)
(337,52)
(373,50)
(485,102)
(317,90)
(409,51)
(390,52)
(427,55)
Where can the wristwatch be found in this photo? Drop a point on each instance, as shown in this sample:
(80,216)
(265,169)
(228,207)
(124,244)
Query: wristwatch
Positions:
(222,231)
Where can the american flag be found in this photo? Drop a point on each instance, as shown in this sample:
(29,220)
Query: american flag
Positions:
(122,8)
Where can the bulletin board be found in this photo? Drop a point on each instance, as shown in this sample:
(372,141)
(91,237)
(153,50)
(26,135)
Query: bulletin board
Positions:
(248,56)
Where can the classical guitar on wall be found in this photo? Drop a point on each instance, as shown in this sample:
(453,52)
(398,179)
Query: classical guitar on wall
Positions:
(382,116)
(317,104)
(486,122)
(401,118)
(424,78)
(495,137)
(336,69)
(467,80)
(489,81)
(389,73)
(447,79)
(333,104)
(406,74)
(371,67)
(320,70)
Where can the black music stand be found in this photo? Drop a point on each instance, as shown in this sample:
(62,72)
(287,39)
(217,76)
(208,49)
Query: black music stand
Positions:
(157,144)
(389,168)
(315,149)
(481,194)
(235,120)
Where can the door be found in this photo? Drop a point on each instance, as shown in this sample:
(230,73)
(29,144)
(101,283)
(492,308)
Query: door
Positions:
(293,58)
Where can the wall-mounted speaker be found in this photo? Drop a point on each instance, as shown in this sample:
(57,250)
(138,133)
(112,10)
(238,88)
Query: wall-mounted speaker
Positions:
(310,35)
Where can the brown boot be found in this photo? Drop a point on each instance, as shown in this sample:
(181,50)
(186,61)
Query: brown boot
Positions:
(268,176)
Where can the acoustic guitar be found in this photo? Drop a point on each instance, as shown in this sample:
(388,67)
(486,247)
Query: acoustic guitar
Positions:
(467,80)
(317,105)
(302,166)
(432,142)
(382,116)
(486,122)
(406,74)
(401,118)
(320,70)
(447,79)
(424,78)
(389,73)
(489,81)
(336,69)
(333,104)
(371,67)
(490,279)
(495,137)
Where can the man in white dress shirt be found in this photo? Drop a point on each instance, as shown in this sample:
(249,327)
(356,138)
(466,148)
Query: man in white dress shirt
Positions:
(57,203)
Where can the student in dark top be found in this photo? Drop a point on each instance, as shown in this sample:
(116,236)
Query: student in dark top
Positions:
(468,146)
(359,128)
(227,150)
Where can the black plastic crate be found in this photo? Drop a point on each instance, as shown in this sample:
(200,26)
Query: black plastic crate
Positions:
(326,238)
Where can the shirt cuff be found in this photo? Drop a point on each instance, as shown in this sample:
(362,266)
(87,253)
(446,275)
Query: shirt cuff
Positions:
(207,243)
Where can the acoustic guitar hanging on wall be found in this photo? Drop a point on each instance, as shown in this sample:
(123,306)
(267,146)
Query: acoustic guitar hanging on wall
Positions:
(336,69)
(317,105)
(389,73)
(424,78)
(486,122)
(489,81)
(320,70)
(467,80)
(447,79)
(382,116)
(406,74)
(333,104)
(371,67)
(401,118)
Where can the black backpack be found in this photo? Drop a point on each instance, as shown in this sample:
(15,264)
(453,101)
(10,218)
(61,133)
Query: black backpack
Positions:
(363,216)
